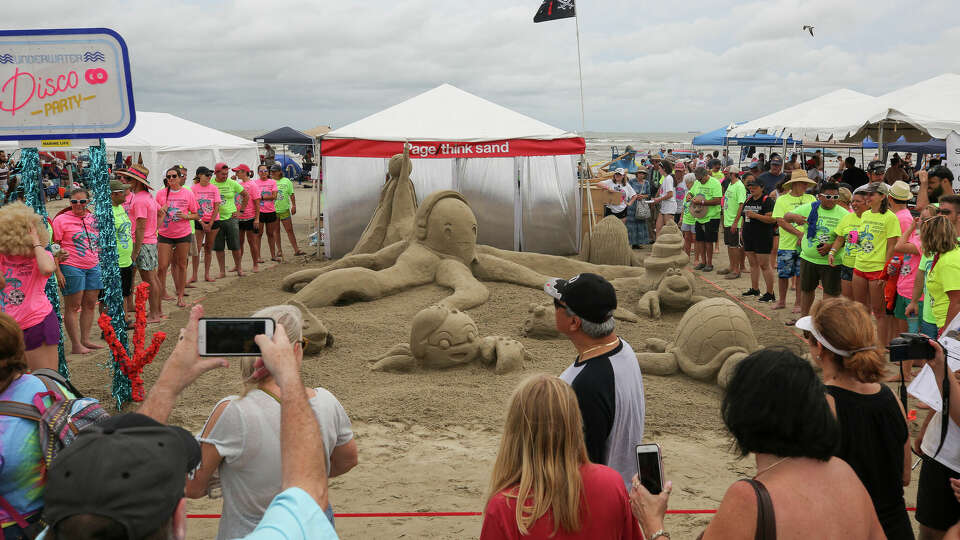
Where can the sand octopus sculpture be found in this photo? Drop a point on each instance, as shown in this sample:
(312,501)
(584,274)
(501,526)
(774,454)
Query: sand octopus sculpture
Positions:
(712,338)
(442,337)
(393,218)
(442,248)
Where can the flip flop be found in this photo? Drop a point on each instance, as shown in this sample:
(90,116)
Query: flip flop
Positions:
(300,253)
(790,322)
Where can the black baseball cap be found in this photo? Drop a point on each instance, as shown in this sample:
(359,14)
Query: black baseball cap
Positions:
(276,167)
(204,171)
(590,296)
(776,160)
(876,167)
(131,469)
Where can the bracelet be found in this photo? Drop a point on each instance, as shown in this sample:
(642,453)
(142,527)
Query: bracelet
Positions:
(832,251)
(659,534)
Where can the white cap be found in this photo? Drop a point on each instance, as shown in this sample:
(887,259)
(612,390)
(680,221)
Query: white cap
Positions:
(620,170)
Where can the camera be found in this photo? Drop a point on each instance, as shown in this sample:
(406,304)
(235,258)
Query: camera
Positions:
(911,347)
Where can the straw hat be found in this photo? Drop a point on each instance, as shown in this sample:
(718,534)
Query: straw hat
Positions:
(799,176)
(900,191)
(137,173)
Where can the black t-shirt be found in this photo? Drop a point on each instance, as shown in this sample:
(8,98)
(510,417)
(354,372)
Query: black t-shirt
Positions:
(770,181)
(855,177)
(760,206)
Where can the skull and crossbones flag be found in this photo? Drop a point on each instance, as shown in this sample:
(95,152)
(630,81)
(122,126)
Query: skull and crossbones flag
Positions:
(551,10)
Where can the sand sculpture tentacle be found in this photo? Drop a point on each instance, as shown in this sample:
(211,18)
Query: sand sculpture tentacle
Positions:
(712,337)
(392,221)
(442,249)
(442,337)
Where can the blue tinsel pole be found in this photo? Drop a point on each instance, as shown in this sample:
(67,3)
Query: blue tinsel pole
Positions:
(30,183)
(109,266)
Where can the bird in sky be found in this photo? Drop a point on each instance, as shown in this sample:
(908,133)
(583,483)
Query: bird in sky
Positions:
(808,28)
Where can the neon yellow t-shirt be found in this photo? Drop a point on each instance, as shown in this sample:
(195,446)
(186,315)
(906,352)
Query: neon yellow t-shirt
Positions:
(787,203)
(873,234)
(735,196)
(711,189)
(827,221)
(847,256)
(942,278)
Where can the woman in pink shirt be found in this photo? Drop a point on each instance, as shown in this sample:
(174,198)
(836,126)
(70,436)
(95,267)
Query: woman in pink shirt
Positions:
(178,207)
(76,231)
(208,202)
(268,214)
(248,216)
(26,266)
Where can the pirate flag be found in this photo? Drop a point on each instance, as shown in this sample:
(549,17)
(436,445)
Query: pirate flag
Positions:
(555,9)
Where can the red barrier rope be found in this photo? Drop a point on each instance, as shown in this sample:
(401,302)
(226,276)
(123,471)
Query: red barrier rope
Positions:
(735,299)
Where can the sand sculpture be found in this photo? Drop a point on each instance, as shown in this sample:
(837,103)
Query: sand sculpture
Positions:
(712,338)
(441,337)
(608,244)
(541,323)
(316,333)
(667,252)
(674,292)
(392,221)
(441,249)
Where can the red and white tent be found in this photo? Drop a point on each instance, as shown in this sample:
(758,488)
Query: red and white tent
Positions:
(518,173)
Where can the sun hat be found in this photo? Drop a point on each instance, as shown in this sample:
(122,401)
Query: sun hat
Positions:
(131,469)
(845,194)
(799,176)
(137,172)
(900,191)
(590,296)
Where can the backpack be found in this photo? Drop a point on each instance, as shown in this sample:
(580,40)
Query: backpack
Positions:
(61,422)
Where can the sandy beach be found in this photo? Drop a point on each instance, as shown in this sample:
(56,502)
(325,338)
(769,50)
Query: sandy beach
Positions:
(427,440)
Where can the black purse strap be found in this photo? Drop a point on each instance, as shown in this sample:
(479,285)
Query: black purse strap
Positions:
(766,519)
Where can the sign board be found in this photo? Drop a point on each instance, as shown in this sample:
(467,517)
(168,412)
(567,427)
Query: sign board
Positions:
(64,84)
(953,157)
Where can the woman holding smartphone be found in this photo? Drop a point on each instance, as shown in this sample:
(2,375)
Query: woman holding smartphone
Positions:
(178,207)
(241,439)
(543,484)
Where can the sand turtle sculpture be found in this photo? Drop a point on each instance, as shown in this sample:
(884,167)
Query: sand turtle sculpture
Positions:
(674,292)
(713,336)
(441,249)
(442,337)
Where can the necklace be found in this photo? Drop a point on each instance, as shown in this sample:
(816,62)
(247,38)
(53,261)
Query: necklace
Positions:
(765,469)
(614,342)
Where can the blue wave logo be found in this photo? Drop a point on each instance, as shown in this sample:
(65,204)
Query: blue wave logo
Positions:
(93,56)
(6,59)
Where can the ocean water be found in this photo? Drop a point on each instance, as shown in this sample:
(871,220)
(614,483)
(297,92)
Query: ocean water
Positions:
(599,143)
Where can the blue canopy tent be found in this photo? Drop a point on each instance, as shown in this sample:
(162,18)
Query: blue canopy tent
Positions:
(717,137)
(933,146)
(291,169)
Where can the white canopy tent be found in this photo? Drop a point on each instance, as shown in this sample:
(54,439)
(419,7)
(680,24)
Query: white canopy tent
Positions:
(835,116)
(928,109)
(519,174)
(165,140)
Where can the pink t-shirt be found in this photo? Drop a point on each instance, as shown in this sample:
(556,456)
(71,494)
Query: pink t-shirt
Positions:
(142,206)
(175,224)
(253,198)
(266,187)
(79,237)
(905,218)
(206,197)
(128,201)
(24,298)
(908,270)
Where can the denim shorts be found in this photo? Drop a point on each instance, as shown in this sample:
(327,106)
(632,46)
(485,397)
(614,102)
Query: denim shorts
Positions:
(80,279)
(788,263)
(846,273)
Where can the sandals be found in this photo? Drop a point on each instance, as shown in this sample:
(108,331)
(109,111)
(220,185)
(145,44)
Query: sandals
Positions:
(300,253)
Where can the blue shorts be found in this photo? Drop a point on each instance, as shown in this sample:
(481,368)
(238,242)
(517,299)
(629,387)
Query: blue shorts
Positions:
(80,279)
(788,263)
(928,329)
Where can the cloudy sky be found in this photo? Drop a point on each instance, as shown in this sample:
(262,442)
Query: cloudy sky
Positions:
(647,66)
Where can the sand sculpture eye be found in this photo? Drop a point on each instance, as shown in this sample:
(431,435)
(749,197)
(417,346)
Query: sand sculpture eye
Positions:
(444,344)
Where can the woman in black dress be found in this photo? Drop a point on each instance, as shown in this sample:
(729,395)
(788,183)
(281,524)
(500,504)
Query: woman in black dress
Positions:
(874,438)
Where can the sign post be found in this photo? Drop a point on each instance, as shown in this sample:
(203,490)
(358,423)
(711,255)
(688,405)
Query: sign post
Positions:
(66,88)
(953,157)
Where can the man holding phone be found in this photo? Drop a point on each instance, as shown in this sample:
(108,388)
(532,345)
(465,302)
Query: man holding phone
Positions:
(605,375)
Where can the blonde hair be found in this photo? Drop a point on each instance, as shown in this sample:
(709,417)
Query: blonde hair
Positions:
(15,222)
(847,326)
(292,321)
(937,235)
(540,454)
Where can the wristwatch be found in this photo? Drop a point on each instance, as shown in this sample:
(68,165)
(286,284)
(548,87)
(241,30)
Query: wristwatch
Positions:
(659,534)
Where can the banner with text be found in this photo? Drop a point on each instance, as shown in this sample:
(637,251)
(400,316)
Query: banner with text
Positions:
(452,149)
(953,157)
(64,84)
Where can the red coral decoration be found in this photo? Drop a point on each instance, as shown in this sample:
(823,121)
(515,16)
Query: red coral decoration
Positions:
(134,369)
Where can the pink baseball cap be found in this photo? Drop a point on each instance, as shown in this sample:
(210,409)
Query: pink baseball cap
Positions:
(242,167)
(220,165)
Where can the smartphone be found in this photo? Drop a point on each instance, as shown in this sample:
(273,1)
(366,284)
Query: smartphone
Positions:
(232,336)
(650,467)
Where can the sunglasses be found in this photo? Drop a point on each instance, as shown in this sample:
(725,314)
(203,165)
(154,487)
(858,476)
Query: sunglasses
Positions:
(830,197)
(172,176)
(78,201)
(304,342)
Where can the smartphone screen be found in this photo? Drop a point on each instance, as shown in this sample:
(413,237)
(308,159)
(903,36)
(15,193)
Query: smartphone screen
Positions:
(232,337)
(648,467)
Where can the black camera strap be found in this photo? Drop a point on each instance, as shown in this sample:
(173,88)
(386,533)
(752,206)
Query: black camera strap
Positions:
(945,406)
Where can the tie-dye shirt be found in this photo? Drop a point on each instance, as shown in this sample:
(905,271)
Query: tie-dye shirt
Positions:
(23,298)
(21,472)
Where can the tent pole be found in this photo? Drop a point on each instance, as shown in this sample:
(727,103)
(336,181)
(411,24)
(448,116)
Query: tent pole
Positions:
(583,124)
(316,191)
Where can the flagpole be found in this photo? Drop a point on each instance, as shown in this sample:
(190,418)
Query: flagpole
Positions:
(583,126)
(584,166)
